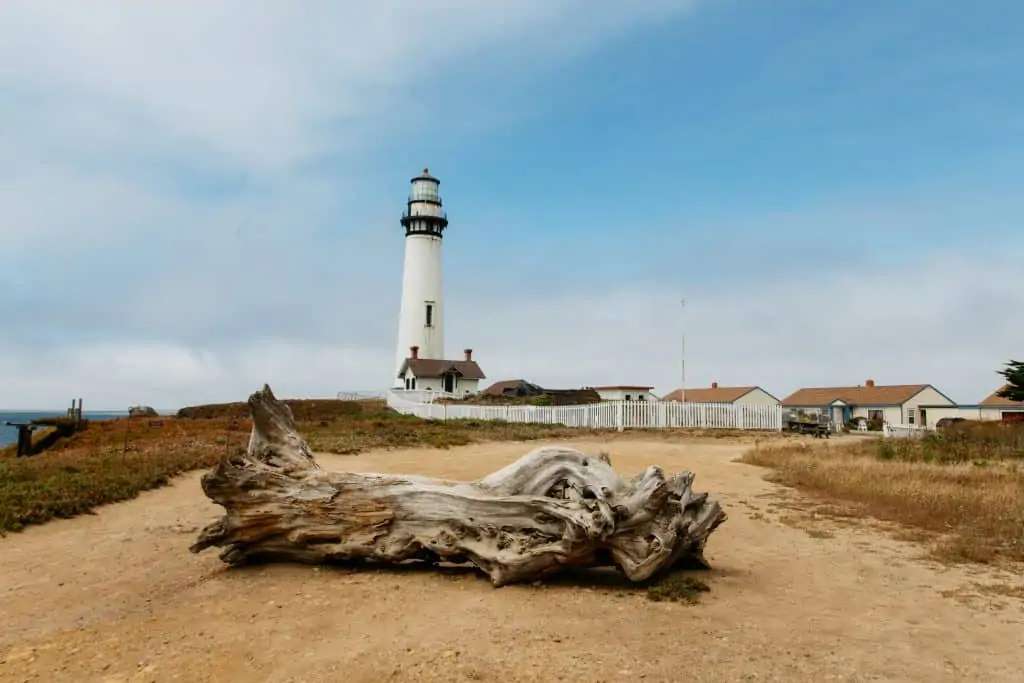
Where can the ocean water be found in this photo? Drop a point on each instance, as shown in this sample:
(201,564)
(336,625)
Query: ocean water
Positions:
(9,435)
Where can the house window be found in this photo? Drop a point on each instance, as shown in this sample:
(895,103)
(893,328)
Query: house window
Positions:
(430,315)
(412,383)
(910,416)
(628,397)
(641,397)
(875,415)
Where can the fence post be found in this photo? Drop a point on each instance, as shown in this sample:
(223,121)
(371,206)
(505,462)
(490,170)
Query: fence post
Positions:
(618,416)
(739,416)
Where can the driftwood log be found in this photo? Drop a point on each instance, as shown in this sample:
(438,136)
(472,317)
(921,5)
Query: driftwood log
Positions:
(554,508)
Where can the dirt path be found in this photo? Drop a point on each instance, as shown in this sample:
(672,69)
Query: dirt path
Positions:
(117,597)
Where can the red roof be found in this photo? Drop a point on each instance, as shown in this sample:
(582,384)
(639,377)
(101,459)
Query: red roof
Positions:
(996,401)
(710,394)
(870,395)
(435,367)
(499,388)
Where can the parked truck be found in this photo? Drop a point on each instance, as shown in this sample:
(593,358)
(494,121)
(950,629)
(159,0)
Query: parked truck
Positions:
(817,423)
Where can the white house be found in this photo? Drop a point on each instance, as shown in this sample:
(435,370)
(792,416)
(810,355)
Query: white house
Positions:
(994,407)
(459,377)
(909,404)
(717,394)
(625,392)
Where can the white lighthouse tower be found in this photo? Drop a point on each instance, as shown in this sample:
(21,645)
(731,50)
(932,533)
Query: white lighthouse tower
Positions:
(421,318)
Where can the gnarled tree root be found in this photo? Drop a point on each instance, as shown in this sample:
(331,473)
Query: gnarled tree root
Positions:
(552,509)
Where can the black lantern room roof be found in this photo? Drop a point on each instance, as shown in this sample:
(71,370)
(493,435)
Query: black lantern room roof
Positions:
(425,175)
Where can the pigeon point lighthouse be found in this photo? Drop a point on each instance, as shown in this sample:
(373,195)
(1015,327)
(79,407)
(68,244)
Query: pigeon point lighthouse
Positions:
(421,317)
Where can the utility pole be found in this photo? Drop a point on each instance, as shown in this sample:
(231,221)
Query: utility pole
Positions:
(682,356)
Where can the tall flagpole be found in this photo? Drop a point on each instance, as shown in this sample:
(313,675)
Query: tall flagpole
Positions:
(682,357)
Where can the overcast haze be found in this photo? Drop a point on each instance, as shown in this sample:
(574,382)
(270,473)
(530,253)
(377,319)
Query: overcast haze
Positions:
(199,197)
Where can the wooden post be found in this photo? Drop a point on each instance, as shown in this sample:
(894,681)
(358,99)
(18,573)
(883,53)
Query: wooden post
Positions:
(24,440)
(127,429)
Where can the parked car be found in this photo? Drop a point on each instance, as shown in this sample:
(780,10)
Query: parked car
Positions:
(944,422)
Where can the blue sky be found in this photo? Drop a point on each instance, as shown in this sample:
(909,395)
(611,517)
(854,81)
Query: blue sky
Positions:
(198,197)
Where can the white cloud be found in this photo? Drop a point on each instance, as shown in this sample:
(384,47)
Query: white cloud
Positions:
(266,84)
(118,117)
(114,376)
(947,321)
(110,108)
(122,283)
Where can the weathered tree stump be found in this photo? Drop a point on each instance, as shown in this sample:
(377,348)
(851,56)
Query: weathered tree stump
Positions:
(553,509)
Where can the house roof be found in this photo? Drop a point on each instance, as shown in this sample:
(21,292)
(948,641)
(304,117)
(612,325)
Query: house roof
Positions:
(892,395)
(435,367)
(711,394)
(995,401)
(499,388)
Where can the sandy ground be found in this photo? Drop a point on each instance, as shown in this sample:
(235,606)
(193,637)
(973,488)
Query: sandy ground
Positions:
(117,597)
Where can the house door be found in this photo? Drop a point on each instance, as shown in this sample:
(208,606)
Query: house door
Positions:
(838,413)
(448,381)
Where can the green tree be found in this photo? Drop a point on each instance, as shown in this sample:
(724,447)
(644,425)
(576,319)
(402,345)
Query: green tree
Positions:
(1014,374)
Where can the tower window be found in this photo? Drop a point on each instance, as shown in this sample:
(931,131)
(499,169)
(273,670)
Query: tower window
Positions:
(430,315)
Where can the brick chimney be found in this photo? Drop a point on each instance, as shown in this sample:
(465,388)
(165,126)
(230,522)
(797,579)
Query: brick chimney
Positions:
(414,352)
(869,383)
(714,385)
(469,353)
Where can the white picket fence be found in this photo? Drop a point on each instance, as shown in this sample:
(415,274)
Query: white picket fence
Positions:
(361,395)
(891,431)
(420,395)
(606,415)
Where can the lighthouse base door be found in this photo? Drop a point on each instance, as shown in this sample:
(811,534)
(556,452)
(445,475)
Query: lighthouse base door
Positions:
(448,383)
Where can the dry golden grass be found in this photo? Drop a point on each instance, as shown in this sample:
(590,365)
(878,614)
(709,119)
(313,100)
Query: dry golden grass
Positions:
(964,491)
(115,460)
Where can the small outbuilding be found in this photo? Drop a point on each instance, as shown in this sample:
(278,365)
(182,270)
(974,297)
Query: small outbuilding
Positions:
(750,395)
(625,392)
(458,377)
(513,388)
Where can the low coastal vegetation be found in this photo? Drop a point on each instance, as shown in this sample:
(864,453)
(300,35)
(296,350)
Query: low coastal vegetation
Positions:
(962,489)
(114,460)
